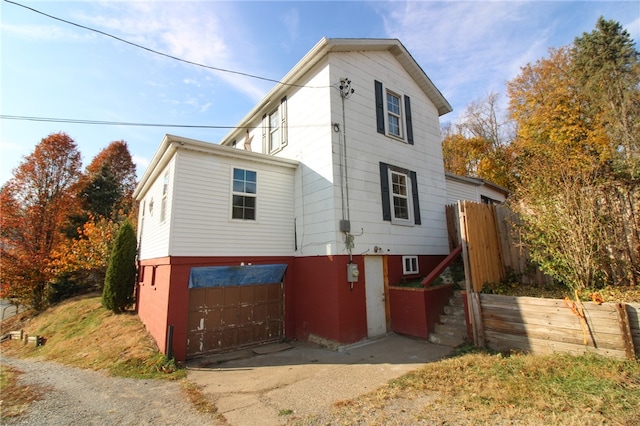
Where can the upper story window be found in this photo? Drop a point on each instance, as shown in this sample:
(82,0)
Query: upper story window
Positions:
(244,194)
(393,113)
(394,116)
(165,193)
(400,195)
(275,139)
(274,128)
(399,189)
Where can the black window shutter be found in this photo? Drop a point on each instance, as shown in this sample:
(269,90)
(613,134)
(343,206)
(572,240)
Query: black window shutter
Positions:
(384,190)
(414,194)
(379,107)
(407,109)
(283,122)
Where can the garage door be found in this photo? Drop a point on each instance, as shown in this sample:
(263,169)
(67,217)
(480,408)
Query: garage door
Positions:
(234,307)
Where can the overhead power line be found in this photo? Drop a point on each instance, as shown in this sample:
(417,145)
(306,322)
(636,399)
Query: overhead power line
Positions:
(161,53)
(108,123)
(128,123)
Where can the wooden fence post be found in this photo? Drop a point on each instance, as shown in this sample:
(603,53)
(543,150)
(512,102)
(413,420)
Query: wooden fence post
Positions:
(625,330)
(473,301)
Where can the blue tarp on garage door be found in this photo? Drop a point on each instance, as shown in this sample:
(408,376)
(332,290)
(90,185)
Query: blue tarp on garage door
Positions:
(223,276)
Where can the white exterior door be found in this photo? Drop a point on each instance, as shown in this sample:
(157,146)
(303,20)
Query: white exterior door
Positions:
(374,293)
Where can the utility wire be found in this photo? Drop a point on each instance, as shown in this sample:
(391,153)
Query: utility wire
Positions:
(161,53)
(108,123)
(127,123)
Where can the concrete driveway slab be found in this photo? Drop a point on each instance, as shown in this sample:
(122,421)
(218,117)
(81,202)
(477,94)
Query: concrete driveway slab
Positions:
(304,378)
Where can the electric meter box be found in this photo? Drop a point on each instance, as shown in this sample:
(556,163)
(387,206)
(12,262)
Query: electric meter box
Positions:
(352,272)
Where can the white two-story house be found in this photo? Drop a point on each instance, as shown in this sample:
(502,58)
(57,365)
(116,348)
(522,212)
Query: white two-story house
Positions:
(293,226)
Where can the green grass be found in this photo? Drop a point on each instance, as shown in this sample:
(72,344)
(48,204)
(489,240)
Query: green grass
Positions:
(479,387)
(556,386)
(81,333)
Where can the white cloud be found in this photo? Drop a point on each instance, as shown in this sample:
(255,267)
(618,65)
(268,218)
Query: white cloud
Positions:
(141,164)
(205,107)
(291,22)
(468,48)
(44,32)
(198,32)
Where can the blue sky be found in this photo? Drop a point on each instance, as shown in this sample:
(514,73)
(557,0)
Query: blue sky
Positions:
(52,69)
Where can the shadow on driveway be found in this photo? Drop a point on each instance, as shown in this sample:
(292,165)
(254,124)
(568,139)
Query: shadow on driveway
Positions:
(300,377)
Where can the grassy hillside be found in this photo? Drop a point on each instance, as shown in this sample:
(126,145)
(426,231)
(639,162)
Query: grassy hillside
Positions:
(80,332)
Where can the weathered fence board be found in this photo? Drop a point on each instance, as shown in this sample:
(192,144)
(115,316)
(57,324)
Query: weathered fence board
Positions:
(633,311)
(546,325)
(504,342)
(483,241)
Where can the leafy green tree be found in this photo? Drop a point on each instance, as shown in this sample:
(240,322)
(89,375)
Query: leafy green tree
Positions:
(119,282)
(606,65)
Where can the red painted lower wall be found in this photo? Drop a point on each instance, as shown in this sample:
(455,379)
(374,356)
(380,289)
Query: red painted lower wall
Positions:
(416,311)
(425,265)
(318,299)
(325,305)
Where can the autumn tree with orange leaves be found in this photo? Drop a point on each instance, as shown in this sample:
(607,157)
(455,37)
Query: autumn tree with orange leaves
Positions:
(478,144)
(34,207)
(104,196)
(577,159)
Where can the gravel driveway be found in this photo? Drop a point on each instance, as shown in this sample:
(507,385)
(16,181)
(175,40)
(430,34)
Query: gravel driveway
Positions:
(81,397)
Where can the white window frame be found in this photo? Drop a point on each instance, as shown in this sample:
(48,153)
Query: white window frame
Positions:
(235,192)
(274,129)
(408,196)
(274,139)
(410,265)
(163,200)
(398,116)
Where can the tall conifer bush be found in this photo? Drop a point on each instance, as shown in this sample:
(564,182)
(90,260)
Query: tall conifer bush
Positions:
(119,282)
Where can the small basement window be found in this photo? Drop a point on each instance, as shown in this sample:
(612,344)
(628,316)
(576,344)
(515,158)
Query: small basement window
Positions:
(410,265)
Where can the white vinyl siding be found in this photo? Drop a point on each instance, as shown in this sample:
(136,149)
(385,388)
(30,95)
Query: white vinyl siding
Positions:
(202,225)
(457,190)
(366,148)
(154,231)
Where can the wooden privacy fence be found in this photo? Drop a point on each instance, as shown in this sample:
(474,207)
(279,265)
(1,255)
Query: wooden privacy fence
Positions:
(539,325)
(490,243)
(491,248)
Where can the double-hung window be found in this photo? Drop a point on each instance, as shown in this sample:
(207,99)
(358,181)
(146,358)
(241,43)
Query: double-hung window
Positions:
(394,117)
(393,113)
(244,194)
(274,128)
(275,141)
(165,194)
(399,183)
(399,189)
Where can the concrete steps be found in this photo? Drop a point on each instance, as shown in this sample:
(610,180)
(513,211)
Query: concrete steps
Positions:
(452,327)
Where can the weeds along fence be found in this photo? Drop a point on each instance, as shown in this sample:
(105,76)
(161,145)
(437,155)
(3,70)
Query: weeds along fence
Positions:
(491,244)
(491,249)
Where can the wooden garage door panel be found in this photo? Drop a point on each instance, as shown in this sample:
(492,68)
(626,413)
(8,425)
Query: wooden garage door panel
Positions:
(231,296)
(247,294)
(226,318)
(215,297)
(195,342)
(230,316)
(197,299)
